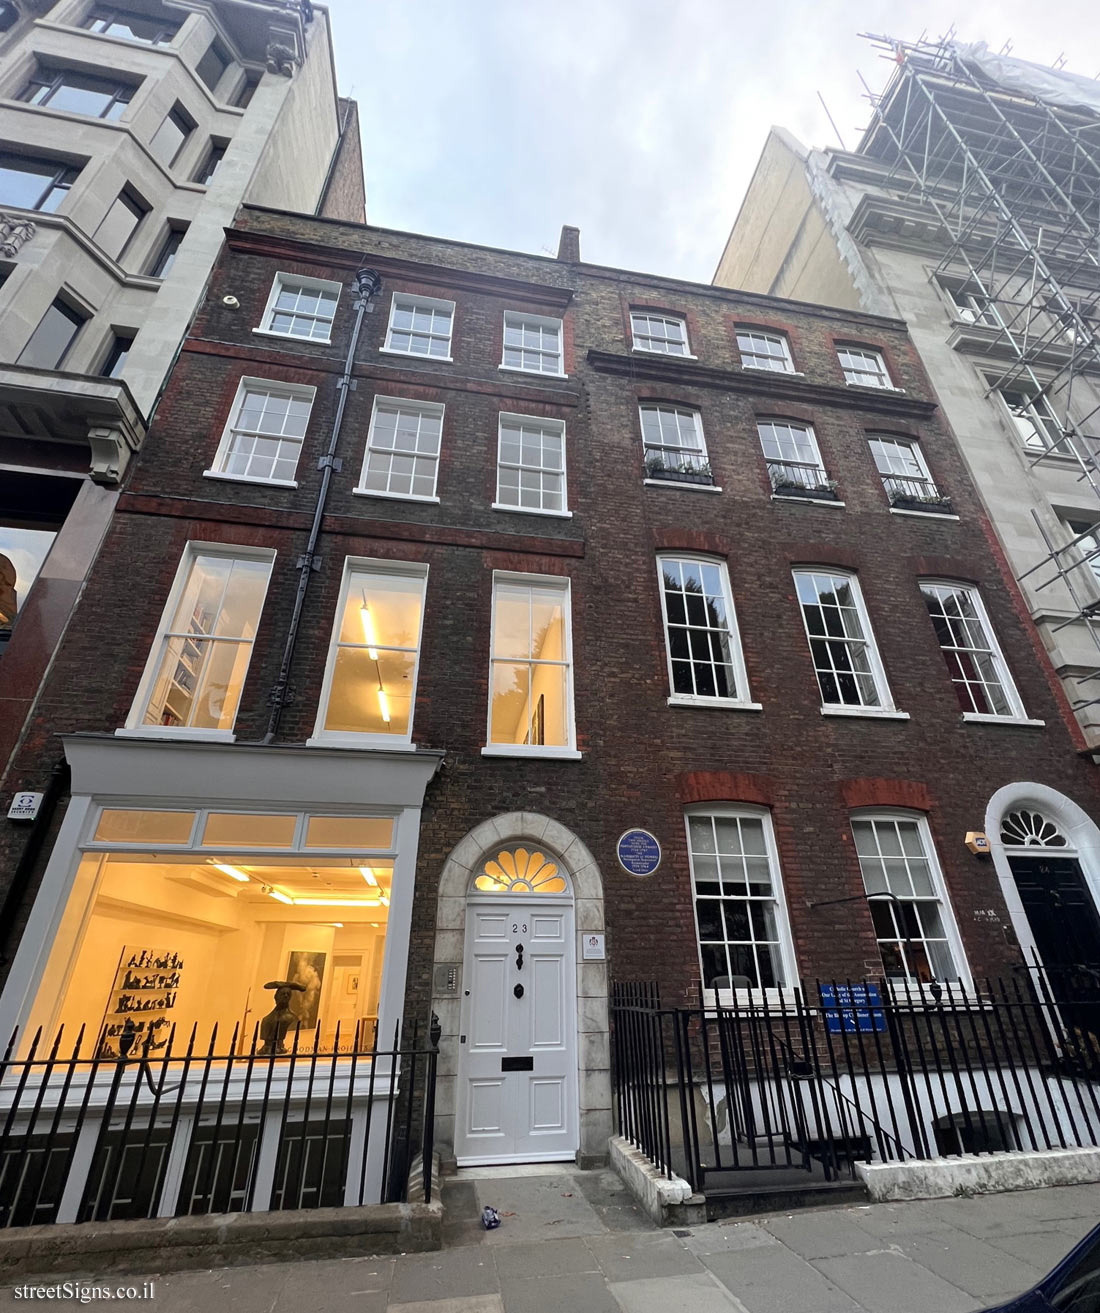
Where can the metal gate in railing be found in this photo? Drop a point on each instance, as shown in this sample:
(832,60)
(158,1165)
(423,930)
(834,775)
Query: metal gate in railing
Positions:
(210,1129)
(813,1080)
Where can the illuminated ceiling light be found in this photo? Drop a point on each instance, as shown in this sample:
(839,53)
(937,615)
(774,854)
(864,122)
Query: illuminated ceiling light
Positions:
(280,897)
(231,870)
(384,705)
(385,901)
(368,631)
(368,874)
(337,925)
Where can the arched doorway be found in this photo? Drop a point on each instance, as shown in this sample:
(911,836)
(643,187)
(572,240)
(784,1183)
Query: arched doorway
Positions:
(1046,852)
(549,1046)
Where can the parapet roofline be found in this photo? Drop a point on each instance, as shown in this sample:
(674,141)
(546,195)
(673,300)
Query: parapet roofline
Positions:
(242,237)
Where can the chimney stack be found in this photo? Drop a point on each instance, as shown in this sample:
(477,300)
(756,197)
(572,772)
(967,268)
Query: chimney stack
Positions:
(569,246)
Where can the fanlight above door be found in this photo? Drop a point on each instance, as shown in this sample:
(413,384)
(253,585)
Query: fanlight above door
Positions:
(517,871)
(1024,829)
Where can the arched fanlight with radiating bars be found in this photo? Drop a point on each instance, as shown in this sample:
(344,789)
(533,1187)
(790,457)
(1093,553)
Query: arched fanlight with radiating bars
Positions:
(518,871)
(1026,829)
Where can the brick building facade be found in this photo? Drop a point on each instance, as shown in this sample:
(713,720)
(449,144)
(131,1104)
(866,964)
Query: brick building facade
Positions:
(708,435)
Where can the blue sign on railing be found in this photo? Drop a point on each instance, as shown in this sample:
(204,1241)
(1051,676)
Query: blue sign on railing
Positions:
(639,852)
(852,1008)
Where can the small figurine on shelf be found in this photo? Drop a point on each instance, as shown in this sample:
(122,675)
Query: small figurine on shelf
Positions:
(274,1027)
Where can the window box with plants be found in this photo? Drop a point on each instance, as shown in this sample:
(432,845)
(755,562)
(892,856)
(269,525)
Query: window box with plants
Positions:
(788,486)
(678,471)
(927,498)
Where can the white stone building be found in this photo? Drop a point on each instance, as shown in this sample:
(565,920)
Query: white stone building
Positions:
(128,139)
(969,210)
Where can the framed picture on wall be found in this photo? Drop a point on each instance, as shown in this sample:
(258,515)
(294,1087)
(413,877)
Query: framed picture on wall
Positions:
(307,969)
(353,982)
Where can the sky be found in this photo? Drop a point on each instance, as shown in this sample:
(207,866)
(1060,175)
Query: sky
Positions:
(638,121)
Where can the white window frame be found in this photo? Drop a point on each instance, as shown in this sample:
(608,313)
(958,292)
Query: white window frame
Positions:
(885,707)
(743,701)
(307,284)
(135,726)
(881,374)
(1039,441)
(1085,541)
(774,421)
(548,425)
(247,384)
(382,402)
(911,990)
(664,318)
(983,316)
(788,963)
(342,738)
(403,299)
(996,655)
(671,408)
(786,361)
(520,318)
(569,750)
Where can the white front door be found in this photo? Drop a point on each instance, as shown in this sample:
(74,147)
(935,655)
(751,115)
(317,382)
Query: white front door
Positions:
(517,1079)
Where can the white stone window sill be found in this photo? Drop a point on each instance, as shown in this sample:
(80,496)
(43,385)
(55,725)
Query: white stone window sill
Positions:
(809,501)
(417,355)
(872,387)
(746,999)
(665,355)
(981,718)
(532,510)
(923,515)
(920,997)
(522,750)
(394,496)
(689,487)
(782,373)
(360,742)
(248,478)
(725,704)
(872,713)
(177,732)
(531,373)
(292,337)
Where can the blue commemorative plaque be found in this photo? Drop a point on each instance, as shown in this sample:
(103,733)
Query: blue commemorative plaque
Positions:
(852,1008)
(638,852)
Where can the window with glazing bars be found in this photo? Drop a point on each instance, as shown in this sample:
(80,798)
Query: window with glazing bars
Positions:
(904,473)
(734,874)
(864,367)
(841,645)
(974,661)
(672,437)
(790,450)
(402,456)
(1035,420)
(531,463)
(902,884)
(764,351)
(420,326)
(301,307)
(532,343)
(701,639)
(264,436)
(662,333)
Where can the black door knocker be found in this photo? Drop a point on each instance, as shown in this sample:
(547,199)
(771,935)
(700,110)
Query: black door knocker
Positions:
(518,991)
(519,957)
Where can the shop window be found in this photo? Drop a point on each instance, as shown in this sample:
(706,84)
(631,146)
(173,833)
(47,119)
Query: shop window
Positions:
(133,826)
(198,664)
(530,667)
(369,688)
(32,510)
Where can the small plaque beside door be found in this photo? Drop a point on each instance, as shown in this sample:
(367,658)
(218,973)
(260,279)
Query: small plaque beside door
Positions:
(518,1064)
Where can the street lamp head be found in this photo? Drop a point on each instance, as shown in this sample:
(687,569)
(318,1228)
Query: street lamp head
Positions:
(368,283)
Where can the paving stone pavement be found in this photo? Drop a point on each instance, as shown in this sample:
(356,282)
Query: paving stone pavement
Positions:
(575,1242)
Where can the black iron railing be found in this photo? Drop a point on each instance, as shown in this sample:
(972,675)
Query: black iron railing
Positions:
(208,1128)
(914,492)
(816,1079)
(800,477)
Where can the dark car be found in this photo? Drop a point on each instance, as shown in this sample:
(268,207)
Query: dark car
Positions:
(1073,1286)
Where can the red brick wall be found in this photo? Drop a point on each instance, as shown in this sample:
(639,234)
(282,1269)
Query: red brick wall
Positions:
(644,761)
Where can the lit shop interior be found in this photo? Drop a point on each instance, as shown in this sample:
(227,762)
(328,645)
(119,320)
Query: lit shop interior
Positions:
(189,938)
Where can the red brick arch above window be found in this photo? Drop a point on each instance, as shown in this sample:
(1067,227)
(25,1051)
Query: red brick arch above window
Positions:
(723,786)
(878,792)
(692,540)
(946,567)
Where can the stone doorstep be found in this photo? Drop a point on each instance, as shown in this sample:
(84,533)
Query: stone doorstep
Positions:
(220,1240)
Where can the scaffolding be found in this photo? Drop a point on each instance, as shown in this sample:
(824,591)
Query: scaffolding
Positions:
(1011,171)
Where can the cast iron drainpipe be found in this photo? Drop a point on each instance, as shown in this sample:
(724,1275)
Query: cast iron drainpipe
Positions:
(368,283)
